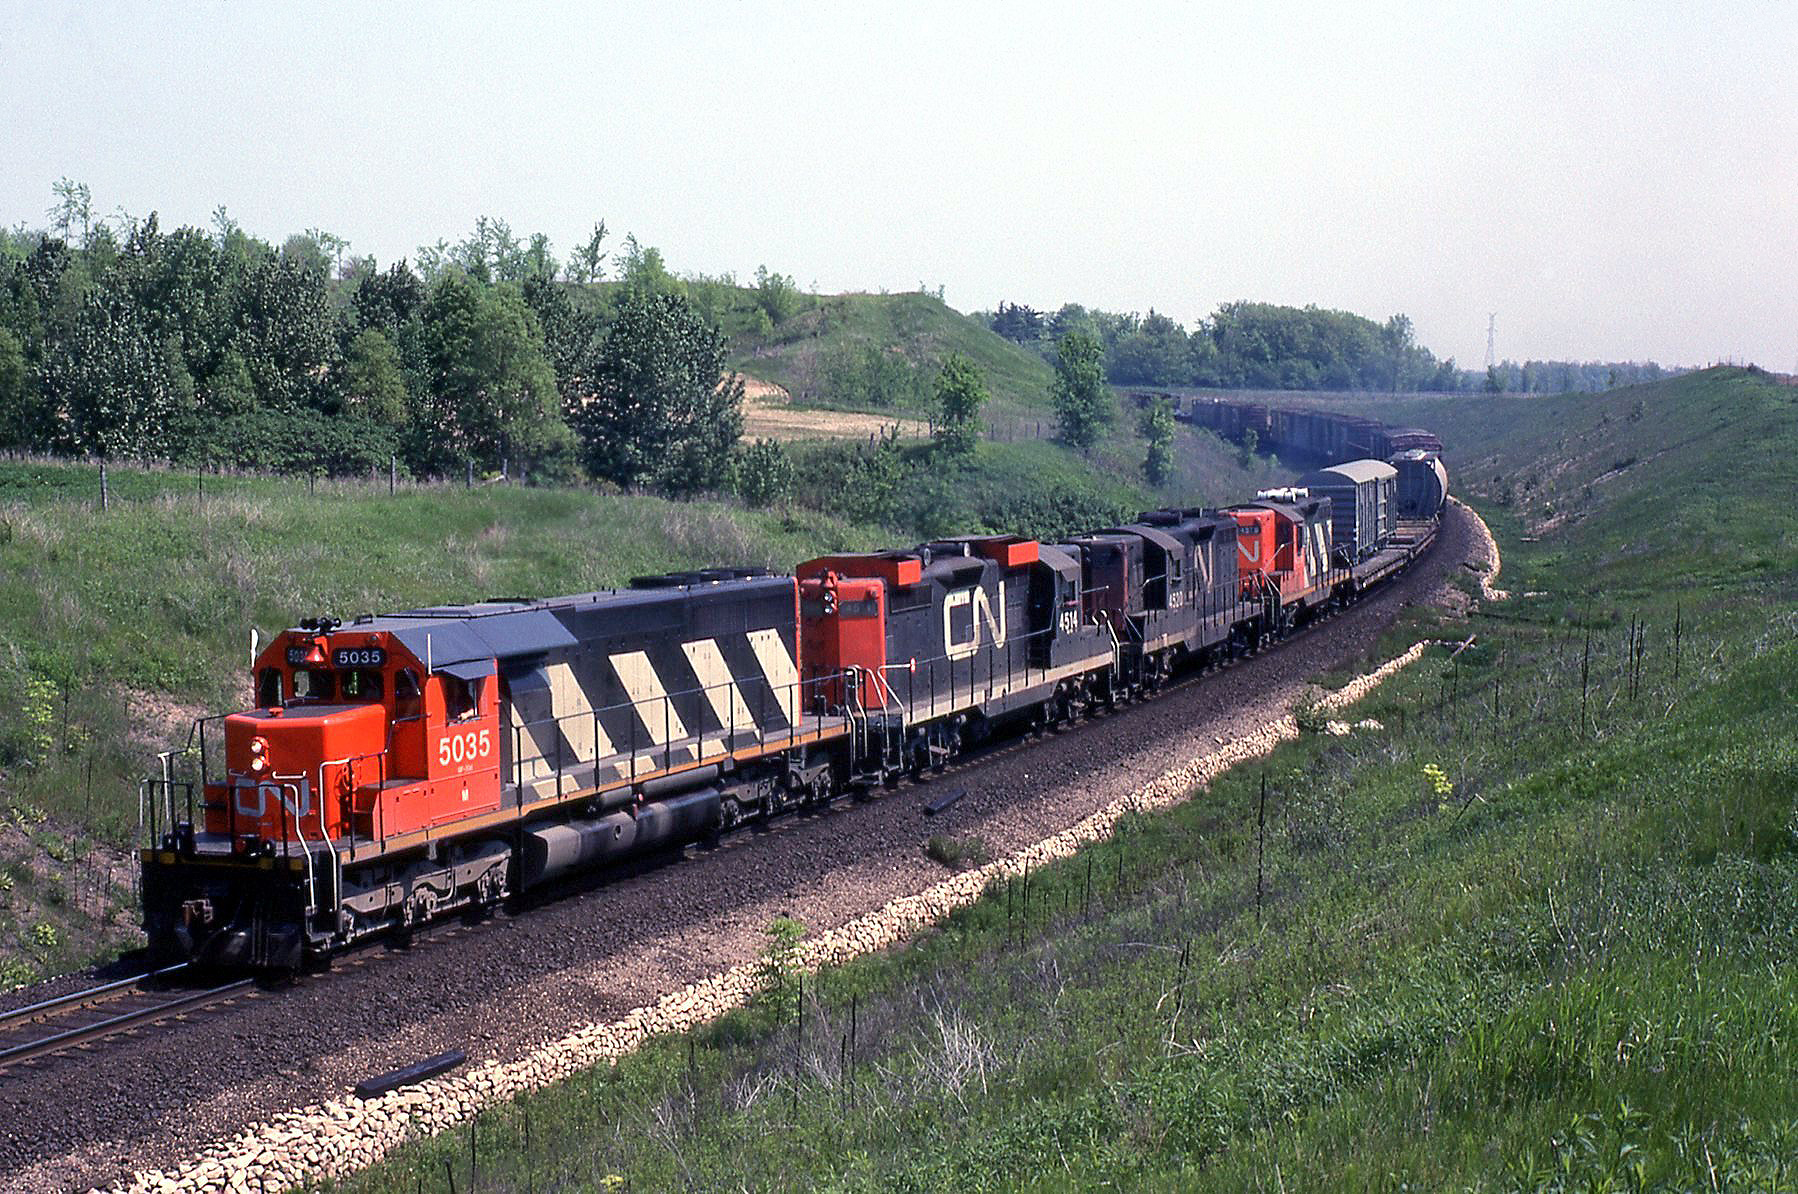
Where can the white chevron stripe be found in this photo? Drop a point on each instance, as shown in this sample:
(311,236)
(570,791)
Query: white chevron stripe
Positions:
(646,692)
(777,666)
(721,690)
(568,698)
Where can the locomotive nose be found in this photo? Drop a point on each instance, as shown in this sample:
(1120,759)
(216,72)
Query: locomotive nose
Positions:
(286,766)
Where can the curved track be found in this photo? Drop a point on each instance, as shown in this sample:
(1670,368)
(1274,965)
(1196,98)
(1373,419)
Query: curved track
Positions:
(607,946)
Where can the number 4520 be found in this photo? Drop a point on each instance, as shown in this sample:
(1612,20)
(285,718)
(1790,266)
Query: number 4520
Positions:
(464,748)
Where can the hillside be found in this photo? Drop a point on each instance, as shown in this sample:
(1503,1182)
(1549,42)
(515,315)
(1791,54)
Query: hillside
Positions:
(117,629)
(879,351)
(1533,928)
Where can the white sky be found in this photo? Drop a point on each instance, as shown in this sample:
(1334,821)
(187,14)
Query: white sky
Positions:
(1616,181)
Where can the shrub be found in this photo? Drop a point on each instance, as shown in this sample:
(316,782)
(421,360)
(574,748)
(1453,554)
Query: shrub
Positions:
(765,474)
(780,964)
(957,853)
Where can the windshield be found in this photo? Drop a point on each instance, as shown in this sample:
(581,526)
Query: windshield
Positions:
(312,684)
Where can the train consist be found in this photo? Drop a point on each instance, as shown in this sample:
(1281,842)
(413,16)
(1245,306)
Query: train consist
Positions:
(398,767)
(1313,435)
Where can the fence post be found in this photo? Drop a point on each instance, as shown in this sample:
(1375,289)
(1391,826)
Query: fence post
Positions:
(1261,849)
(393,474)
(105,497)
(469,484)
(1585,676)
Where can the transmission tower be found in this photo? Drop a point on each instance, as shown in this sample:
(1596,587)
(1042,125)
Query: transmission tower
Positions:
(1491,339)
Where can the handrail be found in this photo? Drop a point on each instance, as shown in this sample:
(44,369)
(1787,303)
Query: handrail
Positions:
(299,831)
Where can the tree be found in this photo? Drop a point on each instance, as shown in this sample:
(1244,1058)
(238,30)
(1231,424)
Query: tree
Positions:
(1155,353)
(658,409)
(960,393)
(287,333)
(19,424)
(387,299)
(1495,381)
(587,264)
(567,332)
(330,244)
(1245,454)
(644,272)
(230,390)
(1083,402)
(1018,322)
(113,381)
(74,209)
(374,383)
(491,394)
(777,295)
(765,474)
(540,259)
(1157,426)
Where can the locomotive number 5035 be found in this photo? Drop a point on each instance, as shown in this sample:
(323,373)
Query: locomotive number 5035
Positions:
(464,748)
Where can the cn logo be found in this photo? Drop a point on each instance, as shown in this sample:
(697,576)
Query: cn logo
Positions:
(963,644)
(252,800)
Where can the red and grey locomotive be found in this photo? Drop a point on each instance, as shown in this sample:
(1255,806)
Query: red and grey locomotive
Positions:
(401,766)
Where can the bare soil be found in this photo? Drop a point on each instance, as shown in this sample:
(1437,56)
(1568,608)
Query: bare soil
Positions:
(768,414)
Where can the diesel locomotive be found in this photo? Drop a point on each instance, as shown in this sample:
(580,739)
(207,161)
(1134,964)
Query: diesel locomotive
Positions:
(398,767)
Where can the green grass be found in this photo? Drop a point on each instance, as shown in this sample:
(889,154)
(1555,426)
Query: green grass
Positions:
(917,327)
(1571,971)
(1033,487)
(117,628)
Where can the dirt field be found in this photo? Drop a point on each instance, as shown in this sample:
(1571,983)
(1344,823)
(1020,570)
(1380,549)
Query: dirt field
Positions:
(767,414)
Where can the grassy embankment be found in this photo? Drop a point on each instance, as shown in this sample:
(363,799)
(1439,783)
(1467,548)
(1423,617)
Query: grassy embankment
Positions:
(1534,932)
(117,629)
(824,344)
(878,354)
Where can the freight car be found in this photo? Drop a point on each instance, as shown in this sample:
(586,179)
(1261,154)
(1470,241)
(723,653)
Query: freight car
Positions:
(399,767)
(1302,433)
(1364,505)
(1422,483)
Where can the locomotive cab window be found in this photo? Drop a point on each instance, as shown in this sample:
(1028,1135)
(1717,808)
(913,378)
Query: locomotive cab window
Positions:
(312,684)
(408,700)
(460,697)
(268,687)
(361,684)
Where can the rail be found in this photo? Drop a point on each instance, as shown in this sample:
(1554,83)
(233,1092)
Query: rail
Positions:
(65,1038)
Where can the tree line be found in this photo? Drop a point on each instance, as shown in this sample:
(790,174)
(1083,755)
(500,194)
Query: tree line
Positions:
(211,347)
(1246,345)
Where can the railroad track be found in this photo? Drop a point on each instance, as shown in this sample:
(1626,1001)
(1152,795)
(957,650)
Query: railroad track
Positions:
(94,1014)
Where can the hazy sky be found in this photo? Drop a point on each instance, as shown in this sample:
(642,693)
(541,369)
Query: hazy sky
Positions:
(1614,180)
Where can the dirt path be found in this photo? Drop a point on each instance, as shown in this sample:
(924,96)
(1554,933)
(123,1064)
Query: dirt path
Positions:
(768,413)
